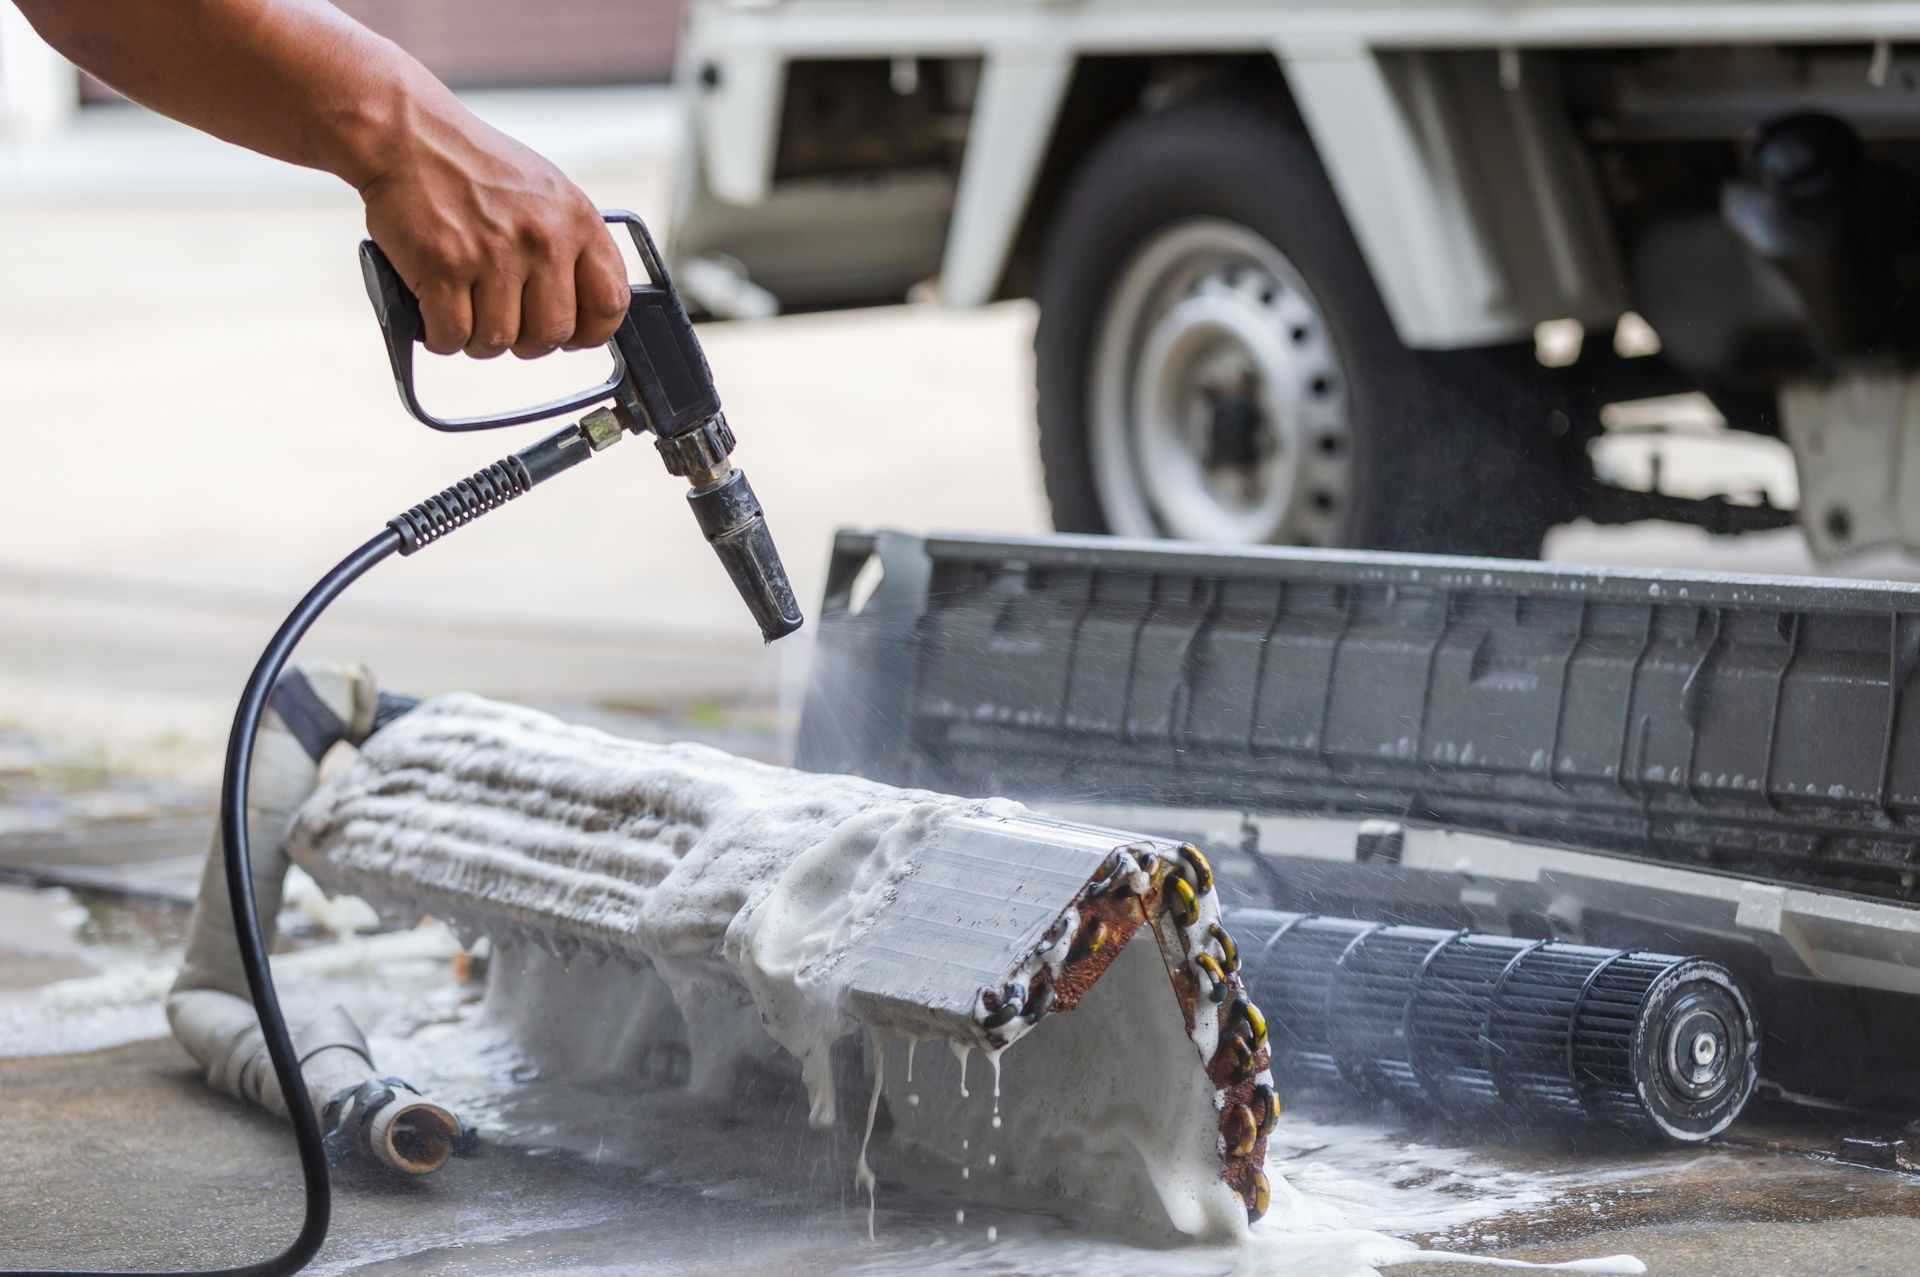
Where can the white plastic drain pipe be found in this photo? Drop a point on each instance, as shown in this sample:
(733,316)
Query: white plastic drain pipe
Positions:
(209,1007)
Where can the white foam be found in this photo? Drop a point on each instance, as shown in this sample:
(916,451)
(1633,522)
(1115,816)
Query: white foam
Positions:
(127,1003)
(720,871)
(724,873)
(863,1176)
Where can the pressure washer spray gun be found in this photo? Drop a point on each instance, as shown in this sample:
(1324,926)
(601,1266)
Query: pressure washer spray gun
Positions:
(660,382)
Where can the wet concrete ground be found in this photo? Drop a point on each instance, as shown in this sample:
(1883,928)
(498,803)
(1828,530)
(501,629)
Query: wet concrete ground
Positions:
(122,1157)
(1771,1198)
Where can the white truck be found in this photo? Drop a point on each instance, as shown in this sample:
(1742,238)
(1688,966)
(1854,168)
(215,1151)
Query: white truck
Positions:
(1290,257)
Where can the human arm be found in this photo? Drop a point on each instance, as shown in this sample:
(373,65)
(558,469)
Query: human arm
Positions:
(503,251)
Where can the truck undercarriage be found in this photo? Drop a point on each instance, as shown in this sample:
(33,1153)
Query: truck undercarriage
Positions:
(1746,208)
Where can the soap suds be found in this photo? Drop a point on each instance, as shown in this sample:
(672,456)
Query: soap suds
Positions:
(717,871)
(127,1002)
(863,1176)
(1104,1106)
(786,946)
(745,886)
(742,887)
(993,1058)
(1386,1185)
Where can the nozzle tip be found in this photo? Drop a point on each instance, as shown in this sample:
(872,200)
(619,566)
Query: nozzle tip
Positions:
(729,514)
(782,626)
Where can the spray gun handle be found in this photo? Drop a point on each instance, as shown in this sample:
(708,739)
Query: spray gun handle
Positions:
(659,375)
(402,328)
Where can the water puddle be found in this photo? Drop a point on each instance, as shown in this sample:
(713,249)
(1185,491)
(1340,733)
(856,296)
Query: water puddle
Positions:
(742,1182)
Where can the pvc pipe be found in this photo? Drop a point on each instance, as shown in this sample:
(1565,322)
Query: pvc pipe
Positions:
(210,1009)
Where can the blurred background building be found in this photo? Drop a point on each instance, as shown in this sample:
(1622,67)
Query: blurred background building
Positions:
(477,45)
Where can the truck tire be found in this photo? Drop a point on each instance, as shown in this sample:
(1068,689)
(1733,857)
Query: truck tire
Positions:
(1214,363)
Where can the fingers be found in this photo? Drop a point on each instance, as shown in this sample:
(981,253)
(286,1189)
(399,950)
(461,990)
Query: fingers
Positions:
(496,314)
(446,306)
(555,308)
(546,312)
(503,252)
(600,288)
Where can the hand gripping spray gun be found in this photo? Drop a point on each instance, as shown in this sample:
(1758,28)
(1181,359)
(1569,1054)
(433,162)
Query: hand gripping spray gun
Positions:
(660,383)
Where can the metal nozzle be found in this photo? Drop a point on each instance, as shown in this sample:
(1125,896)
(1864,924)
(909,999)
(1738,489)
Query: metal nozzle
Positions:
(730,516)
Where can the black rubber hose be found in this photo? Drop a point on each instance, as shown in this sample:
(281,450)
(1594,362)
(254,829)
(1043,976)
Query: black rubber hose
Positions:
(452,508)
(307,1135)
(448,510)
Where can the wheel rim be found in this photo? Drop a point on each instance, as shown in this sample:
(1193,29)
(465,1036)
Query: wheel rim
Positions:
(1219,403)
